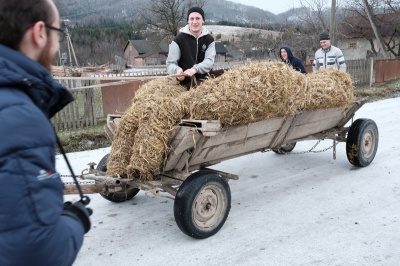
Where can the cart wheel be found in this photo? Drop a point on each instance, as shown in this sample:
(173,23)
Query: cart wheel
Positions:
(285,149)
(362,142)
(202,204)
(116,196)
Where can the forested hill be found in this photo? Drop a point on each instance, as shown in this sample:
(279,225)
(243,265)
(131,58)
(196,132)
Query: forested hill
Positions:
(95,11)
(100,29)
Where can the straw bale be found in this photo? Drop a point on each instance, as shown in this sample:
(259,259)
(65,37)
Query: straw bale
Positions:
(328,88)
(147,107)
(151,140)
(242,95)
(249,93)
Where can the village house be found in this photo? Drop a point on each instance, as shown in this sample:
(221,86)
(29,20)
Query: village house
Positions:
(138,53)
(357,36)
(221,52)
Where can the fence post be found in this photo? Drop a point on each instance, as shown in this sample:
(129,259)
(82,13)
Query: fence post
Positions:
(371,71)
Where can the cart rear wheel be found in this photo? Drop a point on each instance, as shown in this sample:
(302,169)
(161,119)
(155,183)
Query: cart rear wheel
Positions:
(362,142)
(285,149)
(202,204)
(124,195)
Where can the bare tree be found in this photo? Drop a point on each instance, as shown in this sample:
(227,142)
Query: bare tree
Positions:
(167,16)
(260,45)
(394,5)
(302,36)
(382,24)
(377,33)
(316,15)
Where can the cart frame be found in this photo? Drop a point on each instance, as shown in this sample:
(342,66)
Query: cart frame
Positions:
(198,144)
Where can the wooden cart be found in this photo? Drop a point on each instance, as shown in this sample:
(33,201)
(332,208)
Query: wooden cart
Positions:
(202,197)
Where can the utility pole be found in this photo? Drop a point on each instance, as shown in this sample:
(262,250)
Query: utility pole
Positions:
(70,48)
(71,51)
(332,25)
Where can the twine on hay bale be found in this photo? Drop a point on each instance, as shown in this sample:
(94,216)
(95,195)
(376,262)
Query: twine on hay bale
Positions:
(254,92)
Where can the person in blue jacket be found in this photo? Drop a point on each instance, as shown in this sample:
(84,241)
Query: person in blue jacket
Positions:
(36,227)
(286,55)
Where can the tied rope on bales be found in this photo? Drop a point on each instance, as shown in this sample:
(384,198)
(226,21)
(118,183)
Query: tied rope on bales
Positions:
(254,92)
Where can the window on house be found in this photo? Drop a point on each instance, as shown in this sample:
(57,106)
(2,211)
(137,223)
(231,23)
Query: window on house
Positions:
(352,45)
(130,48)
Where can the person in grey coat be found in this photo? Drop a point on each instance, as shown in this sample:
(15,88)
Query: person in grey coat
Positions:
(192,52)
(328,56)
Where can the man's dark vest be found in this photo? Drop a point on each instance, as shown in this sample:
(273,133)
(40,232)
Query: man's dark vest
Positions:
(192,50)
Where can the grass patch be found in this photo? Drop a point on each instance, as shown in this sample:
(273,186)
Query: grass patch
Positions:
(83,139)
(385,90)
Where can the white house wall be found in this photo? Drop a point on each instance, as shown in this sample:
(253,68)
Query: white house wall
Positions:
(360,51)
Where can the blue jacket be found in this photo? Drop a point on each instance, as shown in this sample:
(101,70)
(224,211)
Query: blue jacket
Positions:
(294,62)
(33,230)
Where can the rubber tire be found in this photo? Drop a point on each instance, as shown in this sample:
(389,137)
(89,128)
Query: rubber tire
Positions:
(115,196)
(285,149)
(198,190)
(362,142)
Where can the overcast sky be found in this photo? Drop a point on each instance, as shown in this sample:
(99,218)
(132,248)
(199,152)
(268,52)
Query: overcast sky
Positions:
(274,6)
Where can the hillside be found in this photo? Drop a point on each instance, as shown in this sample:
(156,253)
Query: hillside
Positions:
(227,32)
(94,11)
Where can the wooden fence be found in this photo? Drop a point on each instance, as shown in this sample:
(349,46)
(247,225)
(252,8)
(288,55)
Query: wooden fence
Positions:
(361,71)
(85,111)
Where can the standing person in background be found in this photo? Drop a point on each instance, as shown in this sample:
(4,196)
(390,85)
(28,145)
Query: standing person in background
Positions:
(192,52)
(328,56)
(36,227)
(287,57)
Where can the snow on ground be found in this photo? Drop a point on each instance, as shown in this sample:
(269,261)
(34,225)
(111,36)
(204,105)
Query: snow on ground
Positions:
(231,31)
(304,209)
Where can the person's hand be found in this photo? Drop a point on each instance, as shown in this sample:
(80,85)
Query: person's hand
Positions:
(180,72)
(78,211)
(190,72)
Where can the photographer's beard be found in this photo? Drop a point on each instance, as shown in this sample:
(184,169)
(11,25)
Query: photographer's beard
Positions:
(46,57)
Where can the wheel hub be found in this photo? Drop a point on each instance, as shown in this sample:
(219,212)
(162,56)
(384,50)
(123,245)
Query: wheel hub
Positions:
(208,207)
(368,144)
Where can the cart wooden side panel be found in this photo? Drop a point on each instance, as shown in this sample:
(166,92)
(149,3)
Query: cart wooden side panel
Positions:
(199,151)
(198,143)
(312,122)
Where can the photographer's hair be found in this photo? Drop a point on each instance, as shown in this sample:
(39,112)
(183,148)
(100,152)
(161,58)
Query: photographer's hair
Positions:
(17,16)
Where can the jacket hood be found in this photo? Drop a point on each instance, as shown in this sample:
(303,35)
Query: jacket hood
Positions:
(288,51)
(186,30)
(22,73)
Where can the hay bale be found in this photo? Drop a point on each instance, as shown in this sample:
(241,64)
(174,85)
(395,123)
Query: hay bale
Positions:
(151,141)
(152,99)
(328,88)
(247,94)
(254,92)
